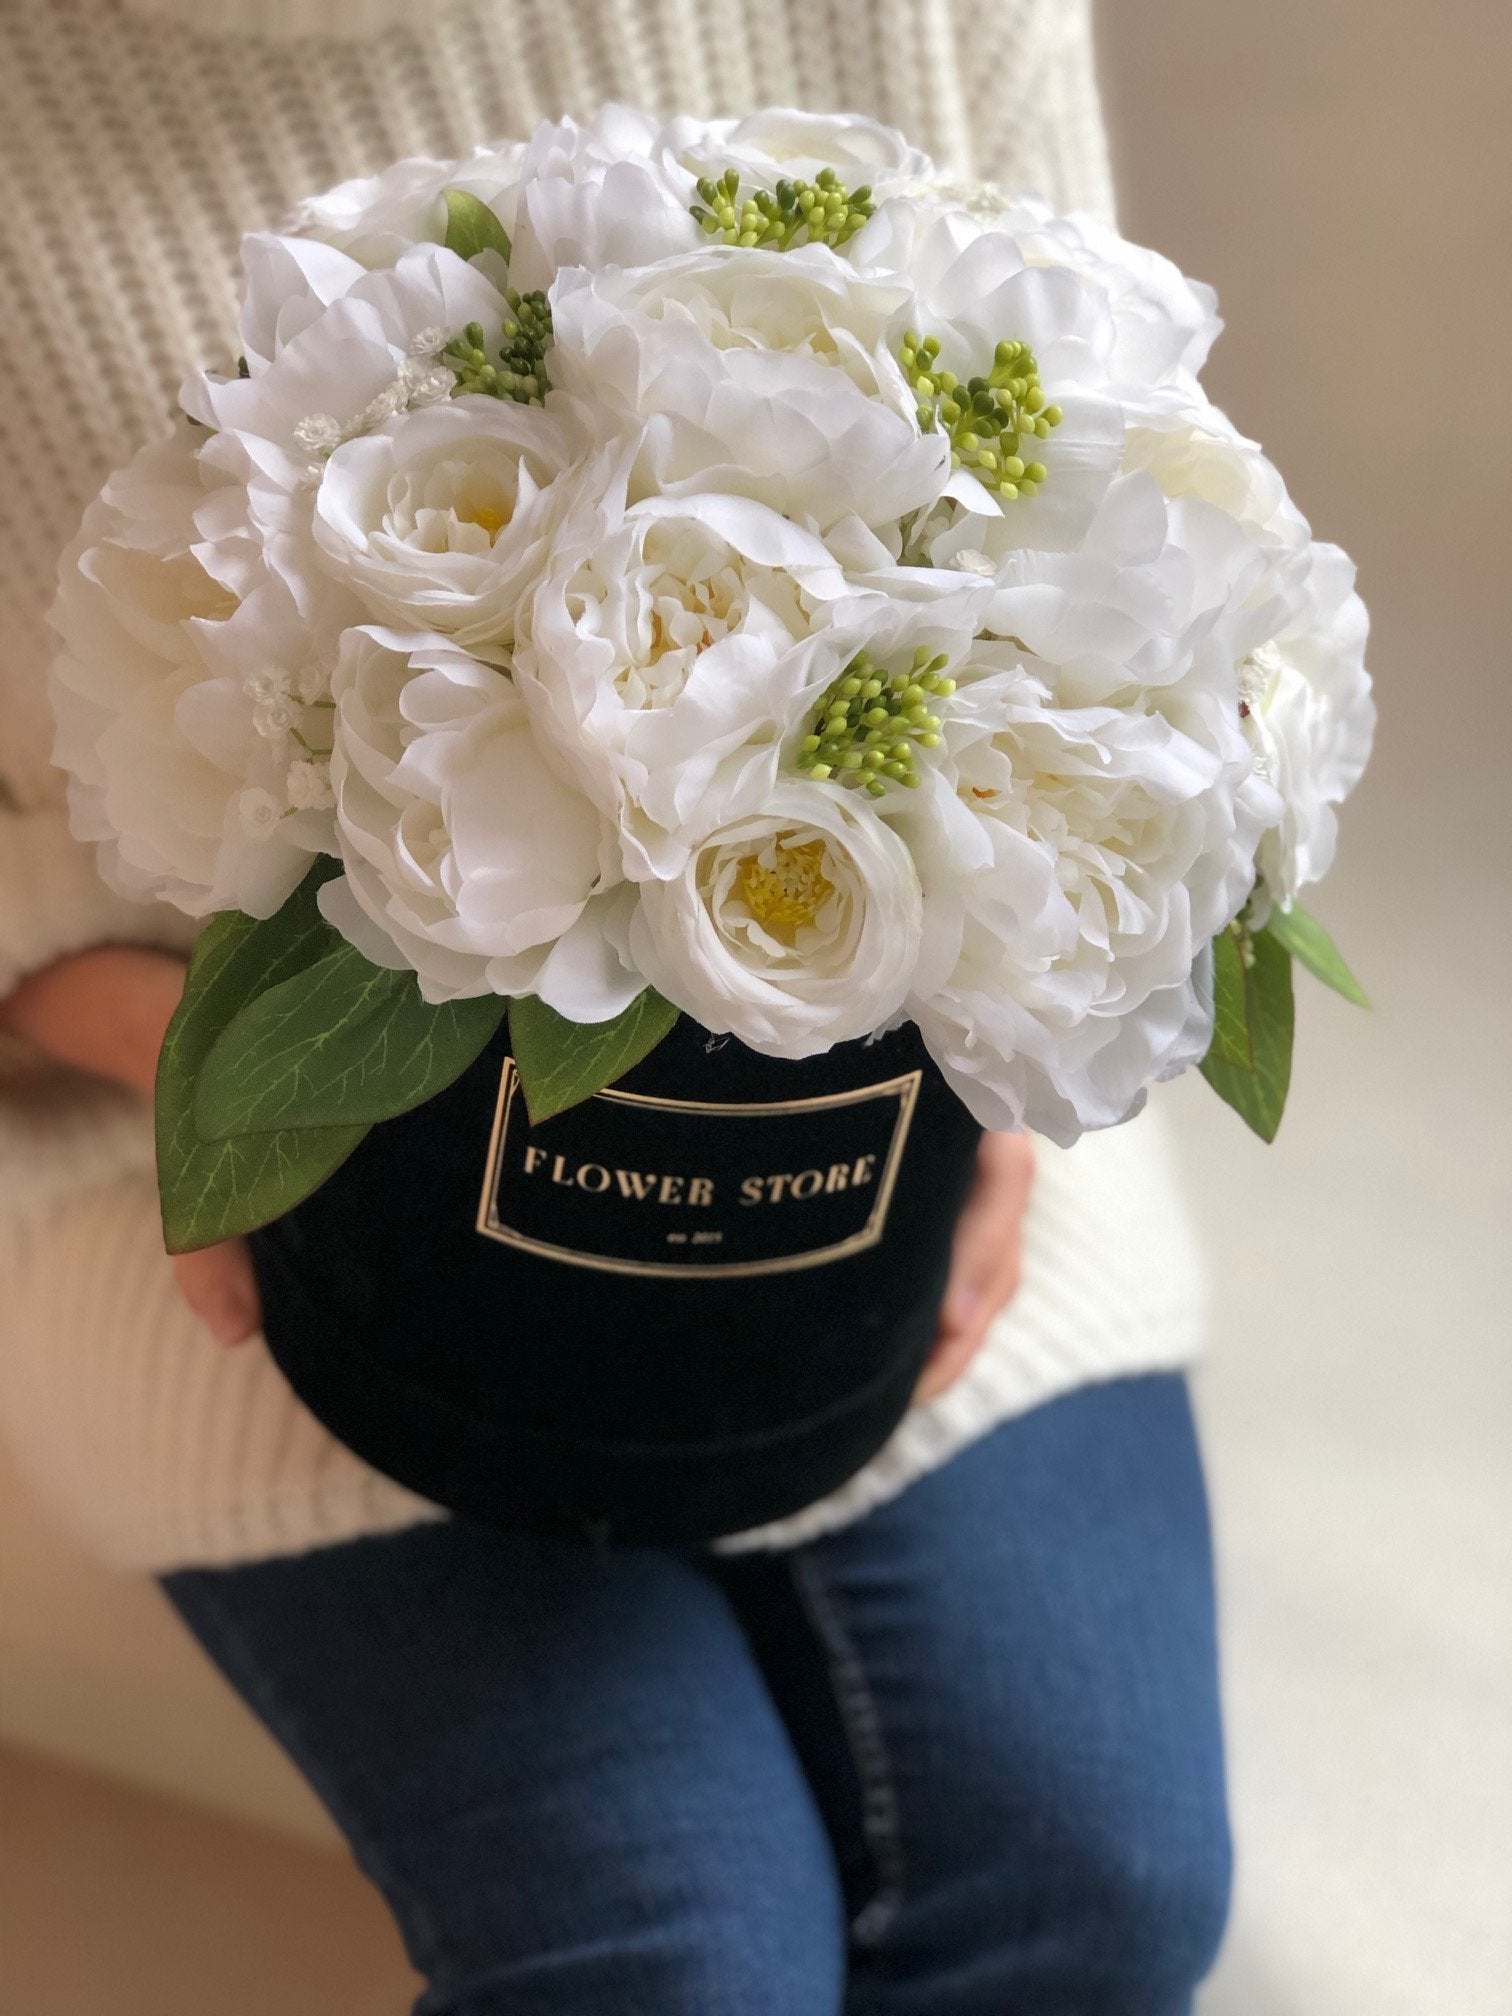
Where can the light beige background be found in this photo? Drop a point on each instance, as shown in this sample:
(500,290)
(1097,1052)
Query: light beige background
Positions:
(1341,170)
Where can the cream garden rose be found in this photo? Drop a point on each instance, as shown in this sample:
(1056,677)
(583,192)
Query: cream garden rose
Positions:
(793,927)
(439,518)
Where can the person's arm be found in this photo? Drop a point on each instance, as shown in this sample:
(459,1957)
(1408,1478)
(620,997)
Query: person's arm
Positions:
(106,1010)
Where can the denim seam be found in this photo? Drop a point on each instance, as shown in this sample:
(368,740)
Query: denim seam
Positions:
(881,1821)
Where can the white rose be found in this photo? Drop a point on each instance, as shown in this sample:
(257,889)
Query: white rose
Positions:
(438,518)
(973,290)
(792,927)
(467,858)
(1310,717)
(375,218)
(596,194)
(1097,820)
(771,374)
(676,645)
(183,702)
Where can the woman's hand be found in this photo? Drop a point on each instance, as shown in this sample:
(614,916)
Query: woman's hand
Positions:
(106,1011)
(984,1264)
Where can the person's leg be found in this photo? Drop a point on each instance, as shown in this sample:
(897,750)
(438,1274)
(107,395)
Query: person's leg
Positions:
(561,1767)
(1020,1654)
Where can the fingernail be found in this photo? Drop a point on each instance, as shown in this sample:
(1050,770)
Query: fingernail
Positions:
(963,1305)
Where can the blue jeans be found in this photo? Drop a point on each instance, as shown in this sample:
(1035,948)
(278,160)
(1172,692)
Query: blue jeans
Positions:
(960,1759)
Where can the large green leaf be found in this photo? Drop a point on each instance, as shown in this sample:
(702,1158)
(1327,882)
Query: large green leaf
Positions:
(343,1042)
(1304,937)
(1258,1095)
(211,1191)
(1231,1037)
(471,227)
(562,1063)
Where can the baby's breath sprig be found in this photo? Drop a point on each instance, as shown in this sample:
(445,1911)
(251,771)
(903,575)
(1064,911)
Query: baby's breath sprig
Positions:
(989,420)
(520,372)
(870,723)
(821,212)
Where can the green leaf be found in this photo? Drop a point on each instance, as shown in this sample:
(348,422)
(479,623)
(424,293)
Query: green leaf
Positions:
(341,1043)
(211,1192)
(1304,937)
(471,227)
(1231,1037)
(562,1063)
(1258,1095)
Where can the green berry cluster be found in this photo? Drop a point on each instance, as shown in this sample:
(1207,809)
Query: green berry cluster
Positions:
(520,372)
(990,420)
(821,212)
(870,722)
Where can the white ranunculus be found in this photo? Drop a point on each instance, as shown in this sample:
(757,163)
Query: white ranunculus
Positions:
(1310,717)
(187,707)
(769,374)
(375,218)
(781,141)
(438,518)
(468,859)
(601,192)
(793,926)
(1102,821)
(973,287)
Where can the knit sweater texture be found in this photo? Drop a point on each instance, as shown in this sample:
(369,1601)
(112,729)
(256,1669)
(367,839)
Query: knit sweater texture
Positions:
(137,142)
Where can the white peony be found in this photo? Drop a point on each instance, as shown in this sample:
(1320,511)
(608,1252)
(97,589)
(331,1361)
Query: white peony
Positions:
(1098,819)
(368,354)
(782,141)
(187,707)
(769,374)
(438,519)
(1310,717)
(973,289)
(1164,323)
(1194,450)
(467,858)
(375,218)
(793,926)
(676,646)
(599,193)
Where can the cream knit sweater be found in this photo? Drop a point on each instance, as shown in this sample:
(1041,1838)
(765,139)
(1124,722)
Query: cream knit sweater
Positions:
(137,141)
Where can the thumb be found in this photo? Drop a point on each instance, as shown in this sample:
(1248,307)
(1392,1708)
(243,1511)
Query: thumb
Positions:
(220,1287)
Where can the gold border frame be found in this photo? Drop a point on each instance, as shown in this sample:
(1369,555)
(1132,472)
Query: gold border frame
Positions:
(906,1089)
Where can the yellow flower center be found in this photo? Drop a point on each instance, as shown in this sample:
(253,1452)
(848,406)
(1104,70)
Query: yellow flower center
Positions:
(492,521)
(784,887)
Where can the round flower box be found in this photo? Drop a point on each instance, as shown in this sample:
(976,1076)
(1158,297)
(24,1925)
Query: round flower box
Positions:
(694,1303)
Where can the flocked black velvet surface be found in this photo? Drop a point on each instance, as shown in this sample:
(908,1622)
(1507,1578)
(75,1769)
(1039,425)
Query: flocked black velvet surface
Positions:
(670,1407)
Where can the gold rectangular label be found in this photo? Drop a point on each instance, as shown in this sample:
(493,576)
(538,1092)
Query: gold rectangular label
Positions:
(686,1189)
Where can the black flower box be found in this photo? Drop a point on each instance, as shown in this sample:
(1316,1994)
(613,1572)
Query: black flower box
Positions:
(692,1304)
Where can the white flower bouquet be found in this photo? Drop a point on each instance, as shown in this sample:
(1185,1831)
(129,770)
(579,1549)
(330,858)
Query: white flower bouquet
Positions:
(718,569)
